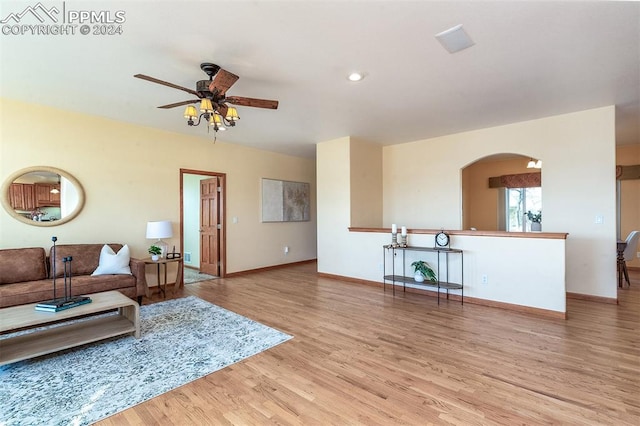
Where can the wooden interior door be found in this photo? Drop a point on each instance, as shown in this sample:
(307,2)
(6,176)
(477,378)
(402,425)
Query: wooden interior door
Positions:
(209,226)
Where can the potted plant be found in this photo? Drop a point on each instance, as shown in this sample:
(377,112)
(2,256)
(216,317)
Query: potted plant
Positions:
(536,220)
(155,252)
(423,270)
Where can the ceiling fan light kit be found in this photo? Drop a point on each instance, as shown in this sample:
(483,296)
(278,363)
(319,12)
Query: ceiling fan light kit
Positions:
(212,98)
(205,106)
(533,164)
(190,113)
(216,122)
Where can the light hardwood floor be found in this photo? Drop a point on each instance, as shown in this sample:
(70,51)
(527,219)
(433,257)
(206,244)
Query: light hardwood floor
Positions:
(361,356)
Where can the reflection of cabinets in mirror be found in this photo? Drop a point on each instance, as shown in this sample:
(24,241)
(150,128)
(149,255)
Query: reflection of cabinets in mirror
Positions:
(19,195)
(27,196)
(22,196)
(44,196)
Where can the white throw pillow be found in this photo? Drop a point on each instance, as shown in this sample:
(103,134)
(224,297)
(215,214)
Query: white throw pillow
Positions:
(112,263)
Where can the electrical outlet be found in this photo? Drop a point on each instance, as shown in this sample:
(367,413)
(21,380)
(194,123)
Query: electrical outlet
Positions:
(599,220)
(485,279)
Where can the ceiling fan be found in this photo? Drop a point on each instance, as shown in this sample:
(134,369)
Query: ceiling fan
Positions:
(212,95)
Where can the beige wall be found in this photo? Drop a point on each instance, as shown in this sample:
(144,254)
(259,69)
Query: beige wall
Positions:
(334,202)
(426,193)
(131,175)
(366,184)
(480,203)
(360,254)
(629,155)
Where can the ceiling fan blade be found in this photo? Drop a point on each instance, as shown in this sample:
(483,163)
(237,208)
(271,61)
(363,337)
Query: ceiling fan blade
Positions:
(222,81)
(166,83)
(252,102)
(177,104)
(222,110)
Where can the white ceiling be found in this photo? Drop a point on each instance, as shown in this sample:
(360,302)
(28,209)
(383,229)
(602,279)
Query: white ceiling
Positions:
(530,60)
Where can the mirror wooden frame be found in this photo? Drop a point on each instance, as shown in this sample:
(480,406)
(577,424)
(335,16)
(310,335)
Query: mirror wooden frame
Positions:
(6,202)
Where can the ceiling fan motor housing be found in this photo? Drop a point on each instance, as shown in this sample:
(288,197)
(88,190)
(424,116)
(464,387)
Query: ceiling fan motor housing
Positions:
(202,87)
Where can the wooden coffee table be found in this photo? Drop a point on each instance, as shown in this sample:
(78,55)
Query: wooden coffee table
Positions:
(35,343)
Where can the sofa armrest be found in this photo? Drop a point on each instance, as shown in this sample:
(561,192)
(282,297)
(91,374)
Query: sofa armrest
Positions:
(138,270)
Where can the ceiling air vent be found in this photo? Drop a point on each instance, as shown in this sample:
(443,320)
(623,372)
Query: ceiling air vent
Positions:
(455,39)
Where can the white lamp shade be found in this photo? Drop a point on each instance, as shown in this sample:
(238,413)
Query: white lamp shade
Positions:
(160,229)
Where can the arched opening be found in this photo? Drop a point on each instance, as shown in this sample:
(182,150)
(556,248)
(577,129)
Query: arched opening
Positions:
(502,192)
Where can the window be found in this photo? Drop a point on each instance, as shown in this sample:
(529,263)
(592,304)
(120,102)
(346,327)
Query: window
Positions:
(518,201)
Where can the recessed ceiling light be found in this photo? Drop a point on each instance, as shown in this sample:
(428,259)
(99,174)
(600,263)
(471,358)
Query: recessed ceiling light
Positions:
(355,76)
(455,39)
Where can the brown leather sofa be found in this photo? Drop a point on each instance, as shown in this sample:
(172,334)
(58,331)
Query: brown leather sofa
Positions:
(26,274)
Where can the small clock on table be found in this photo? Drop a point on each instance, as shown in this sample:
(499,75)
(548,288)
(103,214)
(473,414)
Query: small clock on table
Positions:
(442,240)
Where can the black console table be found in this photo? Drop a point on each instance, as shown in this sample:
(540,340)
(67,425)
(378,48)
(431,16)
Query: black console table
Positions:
(442,265)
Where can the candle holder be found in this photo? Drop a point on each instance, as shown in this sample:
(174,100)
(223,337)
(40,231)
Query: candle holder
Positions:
(403,240)
(394,239)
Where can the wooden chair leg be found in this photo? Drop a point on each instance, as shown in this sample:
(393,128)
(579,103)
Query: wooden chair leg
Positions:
(626,273)
(619,265)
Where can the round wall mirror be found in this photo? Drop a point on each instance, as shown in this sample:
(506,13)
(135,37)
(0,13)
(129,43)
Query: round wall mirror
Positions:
(42,196)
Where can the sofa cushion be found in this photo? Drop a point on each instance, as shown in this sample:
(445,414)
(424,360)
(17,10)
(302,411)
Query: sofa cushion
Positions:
(37,291)
(25,264)
(86,284)
(113,263)
(85,257)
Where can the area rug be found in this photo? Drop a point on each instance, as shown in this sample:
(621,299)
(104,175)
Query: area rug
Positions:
(182,340)
(193,276)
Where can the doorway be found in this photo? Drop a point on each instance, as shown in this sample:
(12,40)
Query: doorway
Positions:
(202,221)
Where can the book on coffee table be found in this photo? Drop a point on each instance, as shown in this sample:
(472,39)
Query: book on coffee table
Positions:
(56,305)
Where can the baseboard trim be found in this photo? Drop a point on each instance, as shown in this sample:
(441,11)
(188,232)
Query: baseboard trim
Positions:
(546,313)
(349,279)
(268,268)
(592,298)
(456,297)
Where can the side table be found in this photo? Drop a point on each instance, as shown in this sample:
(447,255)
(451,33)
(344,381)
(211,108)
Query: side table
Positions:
(163,261)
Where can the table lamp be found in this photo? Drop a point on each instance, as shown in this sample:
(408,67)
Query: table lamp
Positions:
(159,230)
